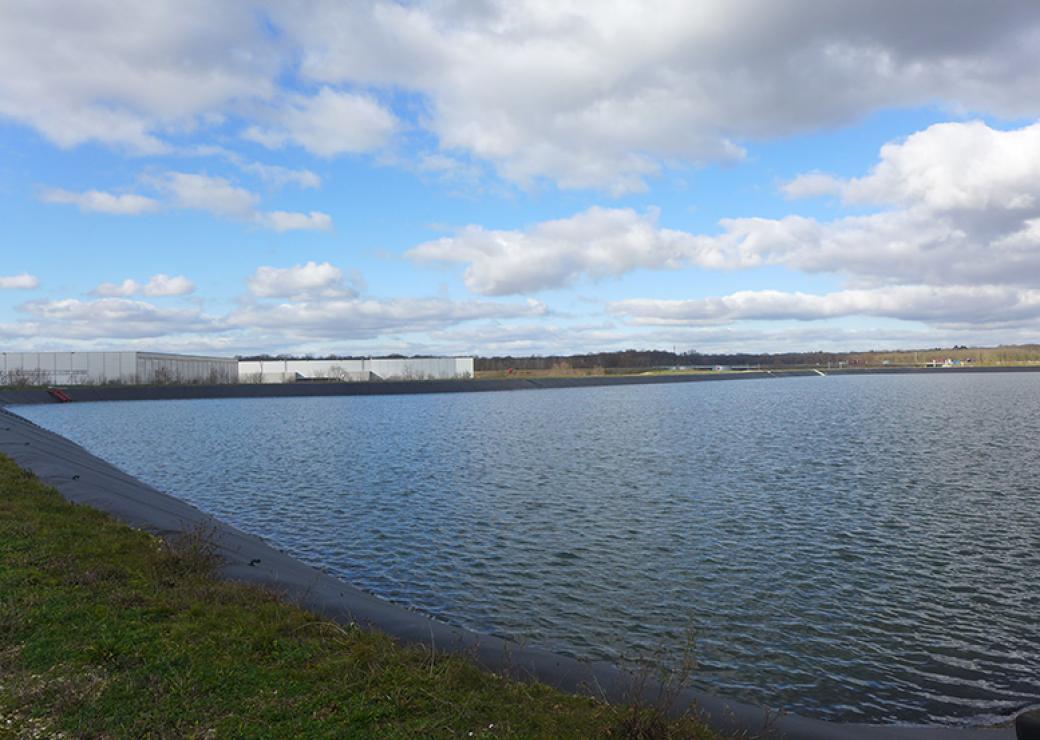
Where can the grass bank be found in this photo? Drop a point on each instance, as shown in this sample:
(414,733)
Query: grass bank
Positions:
(109,631)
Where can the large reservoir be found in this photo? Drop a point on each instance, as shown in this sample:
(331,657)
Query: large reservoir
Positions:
(862,548)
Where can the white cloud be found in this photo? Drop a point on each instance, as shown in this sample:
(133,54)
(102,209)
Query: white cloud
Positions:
(946,167)
(165,285)
(25,281)
(215,195)
(291,221)
(286,307)
(124,73)
(963,208)
(317,302)
(300,281)
(158,285)
(605,97)
(963,214)
(219,196)
(957,167)
(544,338)
(597,243)
(280,176)
(463,176)
(586,96)
(115,318)
(528,337)
(126,288)
(951,306)
(355,317)
(200,192)
(328,124)
(812,184)
(97,201)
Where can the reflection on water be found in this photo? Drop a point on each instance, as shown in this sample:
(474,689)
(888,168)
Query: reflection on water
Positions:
(856,548)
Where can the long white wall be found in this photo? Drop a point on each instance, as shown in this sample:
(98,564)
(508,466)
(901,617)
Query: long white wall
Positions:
(156,367)
(95,368)
(418,368)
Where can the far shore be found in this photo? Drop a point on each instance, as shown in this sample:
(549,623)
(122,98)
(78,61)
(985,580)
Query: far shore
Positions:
(11,396)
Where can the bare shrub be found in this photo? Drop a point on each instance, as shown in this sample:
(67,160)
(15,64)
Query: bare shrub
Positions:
(21,378)
(191,553)
(163,376)
(655,695)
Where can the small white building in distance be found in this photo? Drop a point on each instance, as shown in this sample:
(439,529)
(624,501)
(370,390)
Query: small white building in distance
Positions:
(99,368)
(413,368)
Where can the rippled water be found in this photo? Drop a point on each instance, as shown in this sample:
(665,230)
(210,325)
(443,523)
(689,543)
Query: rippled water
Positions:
(855,548)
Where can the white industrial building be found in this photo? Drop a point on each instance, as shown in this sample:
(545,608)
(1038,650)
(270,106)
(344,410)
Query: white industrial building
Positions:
(98,368)
(413,368)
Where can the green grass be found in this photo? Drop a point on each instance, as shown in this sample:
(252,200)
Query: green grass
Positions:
(108,631)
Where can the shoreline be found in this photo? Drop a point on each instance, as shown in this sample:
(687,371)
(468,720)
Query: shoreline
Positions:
(86,393)
(83,478)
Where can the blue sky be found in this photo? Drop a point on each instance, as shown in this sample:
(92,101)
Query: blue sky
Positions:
(521,178)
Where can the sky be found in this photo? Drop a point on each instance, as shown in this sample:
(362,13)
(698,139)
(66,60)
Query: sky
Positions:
(518,177)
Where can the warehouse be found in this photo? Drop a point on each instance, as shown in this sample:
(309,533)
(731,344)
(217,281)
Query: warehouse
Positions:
(98,368)
(412,368)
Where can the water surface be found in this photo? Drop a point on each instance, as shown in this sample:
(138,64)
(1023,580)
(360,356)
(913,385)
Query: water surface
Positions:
(856,548)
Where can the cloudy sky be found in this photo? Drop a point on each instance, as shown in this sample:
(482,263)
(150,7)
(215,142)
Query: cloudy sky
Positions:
(520,176)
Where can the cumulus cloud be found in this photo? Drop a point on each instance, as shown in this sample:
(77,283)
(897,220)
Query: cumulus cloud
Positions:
(165,285)
(25,281)
(597,243)
(598,98)
(309,280)
(316,302)
(126,288)
(951,306)
(960,205)
(97,201)
(279,176)
(529,337)
(328,124)
(811,185)
(216,195)
(293,221)
(123,73)
(199,192)
(605,98)
(356,317)
(946,167)
(219,196)
(956,244)
(115,318)
(158,285)
(543,338)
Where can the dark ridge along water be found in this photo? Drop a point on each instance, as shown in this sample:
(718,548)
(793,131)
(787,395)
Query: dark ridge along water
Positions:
(850,548)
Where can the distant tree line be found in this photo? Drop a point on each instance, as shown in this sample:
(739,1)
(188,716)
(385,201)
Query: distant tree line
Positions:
(636,358)
(624,359)
(656,358)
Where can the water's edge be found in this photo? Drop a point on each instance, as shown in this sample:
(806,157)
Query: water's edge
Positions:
(86,479)
(16,396)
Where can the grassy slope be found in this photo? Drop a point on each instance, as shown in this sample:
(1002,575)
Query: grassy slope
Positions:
(106,630)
